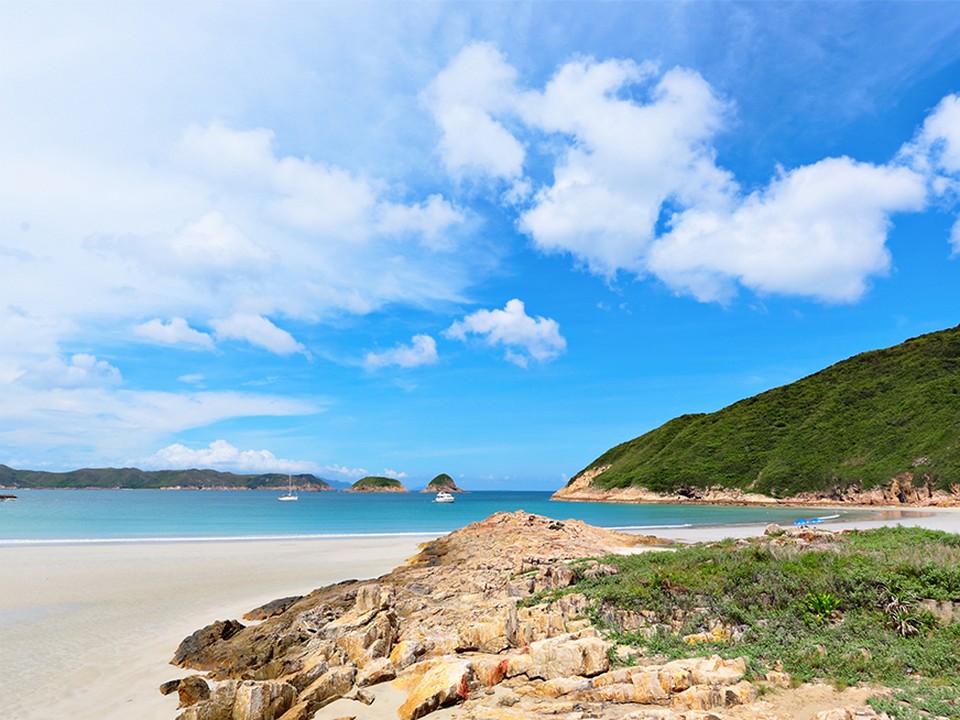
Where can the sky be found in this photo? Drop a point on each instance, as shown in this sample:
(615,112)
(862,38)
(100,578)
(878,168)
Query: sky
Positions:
(487,239)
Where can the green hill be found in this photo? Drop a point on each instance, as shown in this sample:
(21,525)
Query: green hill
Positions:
(375,483)
(134,478)
(442,482)
(855,425)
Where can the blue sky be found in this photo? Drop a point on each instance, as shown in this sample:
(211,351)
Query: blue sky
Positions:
(487,239)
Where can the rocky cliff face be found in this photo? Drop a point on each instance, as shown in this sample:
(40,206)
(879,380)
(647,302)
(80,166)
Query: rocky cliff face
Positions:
(905,489)
(446,629)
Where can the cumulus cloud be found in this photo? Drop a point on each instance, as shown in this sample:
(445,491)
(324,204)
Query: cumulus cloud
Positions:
(465,99)
(174,332)
(396,474)
(818,231)
(525,338)
(633,184)
(257,330)
(422,350)
(626,160)
(935,152)
(221,455)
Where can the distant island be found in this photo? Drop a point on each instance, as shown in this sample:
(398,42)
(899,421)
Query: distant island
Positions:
(879,428)
(442,483)
(136,479)
(375,483)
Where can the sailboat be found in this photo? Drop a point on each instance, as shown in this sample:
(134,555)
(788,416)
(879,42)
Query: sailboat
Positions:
(289,496)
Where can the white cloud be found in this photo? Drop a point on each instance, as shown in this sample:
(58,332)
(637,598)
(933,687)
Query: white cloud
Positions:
(396,474)
(343,471)
(109,425)
(818,231)
(464,98)
(175,332)
(422,350)
(221,455)
(525,338)
(82,371)
(935,152)
(259,331)
(936,146)
(635,186)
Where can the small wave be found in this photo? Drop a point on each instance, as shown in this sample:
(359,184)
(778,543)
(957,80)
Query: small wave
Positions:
(205,539)
(650,527)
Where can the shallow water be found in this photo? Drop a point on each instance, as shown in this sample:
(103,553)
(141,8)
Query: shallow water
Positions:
(169,515)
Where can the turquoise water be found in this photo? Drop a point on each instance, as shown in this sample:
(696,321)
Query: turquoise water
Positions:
(141,515)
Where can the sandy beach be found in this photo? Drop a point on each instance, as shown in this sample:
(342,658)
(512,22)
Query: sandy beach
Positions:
(87,630)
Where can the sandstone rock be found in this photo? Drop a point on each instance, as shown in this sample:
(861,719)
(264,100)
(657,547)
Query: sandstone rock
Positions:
(219,706)
(262,700)
(406,652)
(272,608)
(440,682)
(190,690)
(375,672)
(333,684)
(362,696)
(562,656)
(192,650)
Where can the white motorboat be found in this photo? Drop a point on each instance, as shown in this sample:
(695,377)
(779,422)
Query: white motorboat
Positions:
(289,496)
(444,497)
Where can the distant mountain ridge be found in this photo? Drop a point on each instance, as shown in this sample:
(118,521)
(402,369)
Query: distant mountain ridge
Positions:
(134,478)
(885,422)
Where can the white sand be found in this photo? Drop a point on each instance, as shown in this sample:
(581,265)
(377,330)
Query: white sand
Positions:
(86,631)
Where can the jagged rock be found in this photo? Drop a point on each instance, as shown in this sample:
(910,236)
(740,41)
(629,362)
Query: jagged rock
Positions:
(561,657)
(219,706)
(362,696)
(262,700)
(433,684)
(272,608)
(333,684)
(458,594)
(375,672)
(190,690)
(193,649)
(406,652)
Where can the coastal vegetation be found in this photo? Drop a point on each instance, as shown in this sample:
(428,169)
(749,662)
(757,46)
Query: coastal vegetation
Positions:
(376,483)
(134,478)
(879,606)
(857,425)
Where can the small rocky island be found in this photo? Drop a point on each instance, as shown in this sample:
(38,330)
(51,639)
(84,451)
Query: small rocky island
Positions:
(442,483)
(377,484)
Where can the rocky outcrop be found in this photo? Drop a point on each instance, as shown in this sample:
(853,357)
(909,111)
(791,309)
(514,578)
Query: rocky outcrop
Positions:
(444,626)
(457,625)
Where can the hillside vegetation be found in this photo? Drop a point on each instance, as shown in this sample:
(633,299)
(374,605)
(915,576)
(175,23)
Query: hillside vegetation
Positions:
(878,606)
(858,424)
(134,478)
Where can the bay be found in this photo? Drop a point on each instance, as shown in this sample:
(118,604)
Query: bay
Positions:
(169,515)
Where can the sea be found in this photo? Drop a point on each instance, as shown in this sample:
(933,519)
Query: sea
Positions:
(97,516)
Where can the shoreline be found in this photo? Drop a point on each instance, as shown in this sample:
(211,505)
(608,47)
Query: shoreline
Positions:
(88,628)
